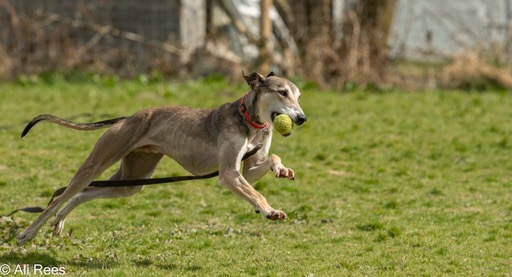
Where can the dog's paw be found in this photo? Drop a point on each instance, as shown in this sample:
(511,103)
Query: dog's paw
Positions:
(276,215)
(279,169)
(283,172)
(24,237)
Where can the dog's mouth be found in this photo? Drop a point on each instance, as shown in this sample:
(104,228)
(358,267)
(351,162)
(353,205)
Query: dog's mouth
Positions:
(274,115)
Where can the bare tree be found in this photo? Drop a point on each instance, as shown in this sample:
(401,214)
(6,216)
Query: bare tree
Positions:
(372,20)
(360,56)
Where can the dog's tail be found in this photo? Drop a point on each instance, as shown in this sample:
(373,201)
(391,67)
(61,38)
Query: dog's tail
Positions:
(71,124)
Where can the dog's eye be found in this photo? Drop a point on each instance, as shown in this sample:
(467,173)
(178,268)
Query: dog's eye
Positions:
(283,93)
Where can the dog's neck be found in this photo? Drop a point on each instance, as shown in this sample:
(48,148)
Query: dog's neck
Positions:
(248,108)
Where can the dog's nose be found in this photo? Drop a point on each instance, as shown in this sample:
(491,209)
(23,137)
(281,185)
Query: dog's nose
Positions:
(301,119)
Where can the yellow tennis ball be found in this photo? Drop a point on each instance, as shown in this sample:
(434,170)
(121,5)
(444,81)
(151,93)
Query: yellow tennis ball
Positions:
(283,124)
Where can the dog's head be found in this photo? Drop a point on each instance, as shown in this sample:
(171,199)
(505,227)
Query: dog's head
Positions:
(275,96)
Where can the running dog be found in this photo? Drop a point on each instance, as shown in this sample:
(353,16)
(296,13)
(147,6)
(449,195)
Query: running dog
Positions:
(202,141)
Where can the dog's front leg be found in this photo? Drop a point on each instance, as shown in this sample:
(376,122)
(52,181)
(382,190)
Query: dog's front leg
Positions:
(236,183)
(257,166)
(230,177)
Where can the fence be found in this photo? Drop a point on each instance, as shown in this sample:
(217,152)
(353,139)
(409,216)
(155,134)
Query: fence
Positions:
(171,36)
(124,37)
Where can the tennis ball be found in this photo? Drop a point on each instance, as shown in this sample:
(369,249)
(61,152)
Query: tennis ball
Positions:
(283,124)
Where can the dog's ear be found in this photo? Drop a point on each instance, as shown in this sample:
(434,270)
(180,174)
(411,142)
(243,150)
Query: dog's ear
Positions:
(271,74)
(253,79)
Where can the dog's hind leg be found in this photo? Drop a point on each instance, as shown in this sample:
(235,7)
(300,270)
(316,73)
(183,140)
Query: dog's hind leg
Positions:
(85,175)
(136,165)
(110,148)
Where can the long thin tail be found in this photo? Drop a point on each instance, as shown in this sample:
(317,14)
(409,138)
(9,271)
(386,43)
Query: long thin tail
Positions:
(71,124)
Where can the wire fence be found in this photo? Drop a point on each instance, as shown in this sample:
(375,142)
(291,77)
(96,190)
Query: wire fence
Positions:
(173,37)
(107,36)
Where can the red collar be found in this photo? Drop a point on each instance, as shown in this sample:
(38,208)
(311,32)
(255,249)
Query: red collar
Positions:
(243,109)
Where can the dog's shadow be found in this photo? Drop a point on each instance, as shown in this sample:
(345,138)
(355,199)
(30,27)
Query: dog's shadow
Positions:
(47,260)
(16,256)
(34,257)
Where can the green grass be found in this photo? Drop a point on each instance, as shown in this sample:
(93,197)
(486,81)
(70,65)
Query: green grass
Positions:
(387,183)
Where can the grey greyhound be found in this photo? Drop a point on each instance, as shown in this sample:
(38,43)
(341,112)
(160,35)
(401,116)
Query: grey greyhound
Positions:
(202,141)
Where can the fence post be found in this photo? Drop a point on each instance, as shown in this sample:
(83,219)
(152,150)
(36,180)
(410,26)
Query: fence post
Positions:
(265,33)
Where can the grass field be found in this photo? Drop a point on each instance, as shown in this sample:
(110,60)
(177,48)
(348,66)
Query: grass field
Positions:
(387,183)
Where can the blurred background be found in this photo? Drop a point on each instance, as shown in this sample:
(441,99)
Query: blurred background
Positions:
(339,44)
